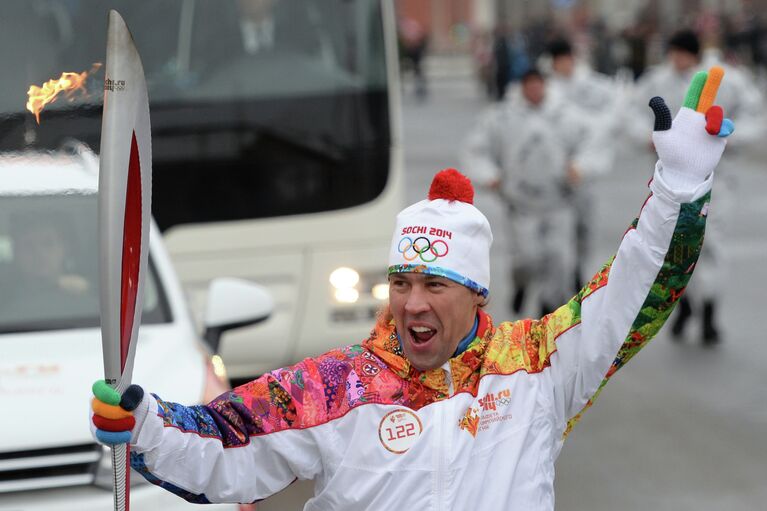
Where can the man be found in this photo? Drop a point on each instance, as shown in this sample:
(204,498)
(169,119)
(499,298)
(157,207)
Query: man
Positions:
(578,83)
(439,408)
(528,150)
(598,99)
(743,103)
(414,41)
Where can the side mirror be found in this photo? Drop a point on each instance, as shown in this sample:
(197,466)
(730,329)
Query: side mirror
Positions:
(234,303)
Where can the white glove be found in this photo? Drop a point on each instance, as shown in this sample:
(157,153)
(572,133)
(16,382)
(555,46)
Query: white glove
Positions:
(689,148)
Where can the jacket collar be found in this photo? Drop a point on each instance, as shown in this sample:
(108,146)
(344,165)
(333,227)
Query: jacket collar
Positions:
(465,367)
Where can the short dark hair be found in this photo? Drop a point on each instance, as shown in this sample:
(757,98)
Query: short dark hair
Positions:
(559,48)
(685,40)
(532,73)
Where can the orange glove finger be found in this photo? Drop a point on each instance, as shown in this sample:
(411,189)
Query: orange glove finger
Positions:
(708,95)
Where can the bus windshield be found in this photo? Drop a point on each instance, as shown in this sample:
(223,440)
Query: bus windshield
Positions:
(259,108)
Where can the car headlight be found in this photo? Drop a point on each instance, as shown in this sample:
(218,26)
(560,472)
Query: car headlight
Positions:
(104,475)
(380,292)
(345,280)
(357,296)
(216,379)
(347,295)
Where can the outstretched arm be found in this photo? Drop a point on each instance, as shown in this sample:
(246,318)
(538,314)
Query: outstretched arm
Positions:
(628,301)
(244,446)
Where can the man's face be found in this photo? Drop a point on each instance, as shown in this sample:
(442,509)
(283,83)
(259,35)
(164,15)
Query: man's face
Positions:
(681,60)
(432,315)
(533,90)
(563,65)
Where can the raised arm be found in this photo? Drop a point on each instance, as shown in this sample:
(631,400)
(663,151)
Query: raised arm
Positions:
(627,302)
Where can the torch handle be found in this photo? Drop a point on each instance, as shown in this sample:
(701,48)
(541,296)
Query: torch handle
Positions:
(121,474)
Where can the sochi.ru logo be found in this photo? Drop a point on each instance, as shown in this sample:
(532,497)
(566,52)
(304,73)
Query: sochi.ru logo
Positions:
(488,411)
(422,248)
(114,85)
(491,401)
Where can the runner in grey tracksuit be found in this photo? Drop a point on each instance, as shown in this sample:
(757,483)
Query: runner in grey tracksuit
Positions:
(528,149)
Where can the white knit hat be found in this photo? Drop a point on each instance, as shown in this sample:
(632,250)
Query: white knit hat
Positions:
(444,235)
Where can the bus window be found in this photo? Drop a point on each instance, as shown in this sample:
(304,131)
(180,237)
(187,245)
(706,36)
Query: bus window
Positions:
(275,145)
(260,108)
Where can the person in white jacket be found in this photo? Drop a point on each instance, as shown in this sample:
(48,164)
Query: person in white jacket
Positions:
(743,102)
(440,408)
(598,97)
(528,149)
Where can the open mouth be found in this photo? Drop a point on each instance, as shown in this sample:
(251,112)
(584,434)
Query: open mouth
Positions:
(421,334)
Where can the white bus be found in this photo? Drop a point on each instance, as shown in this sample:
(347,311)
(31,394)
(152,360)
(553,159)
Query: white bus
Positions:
(276,142)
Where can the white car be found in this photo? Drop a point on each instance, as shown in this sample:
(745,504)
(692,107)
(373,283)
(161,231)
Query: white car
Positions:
(50,339)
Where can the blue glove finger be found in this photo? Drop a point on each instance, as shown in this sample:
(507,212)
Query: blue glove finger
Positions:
(113,437)
(662,114)
(727,128)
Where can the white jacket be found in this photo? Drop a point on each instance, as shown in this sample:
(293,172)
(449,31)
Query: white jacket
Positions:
(482,432)
(591,91)
(527,148)
(602,103)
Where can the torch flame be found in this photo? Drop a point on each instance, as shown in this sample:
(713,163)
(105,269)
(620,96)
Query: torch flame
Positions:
(68,83)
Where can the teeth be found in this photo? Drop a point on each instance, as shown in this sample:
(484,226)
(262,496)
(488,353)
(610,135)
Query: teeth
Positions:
(421,329)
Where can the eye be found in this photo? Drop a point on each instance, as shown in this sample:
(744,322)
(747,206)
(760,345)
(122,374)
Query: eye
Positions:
(435,284)
(397,283)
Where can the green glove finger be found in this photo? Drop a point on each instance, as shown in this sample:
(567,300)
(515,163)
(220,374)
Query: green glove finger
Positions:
(105,393)
(696,87)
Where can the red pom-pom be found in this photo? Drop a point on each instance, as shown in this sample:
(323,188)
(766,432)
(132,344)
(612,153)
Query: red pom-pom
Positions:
(449,184)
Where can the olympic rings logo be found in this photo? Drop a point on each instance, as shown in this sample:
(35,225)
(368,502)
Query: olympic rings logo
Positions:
(421,247)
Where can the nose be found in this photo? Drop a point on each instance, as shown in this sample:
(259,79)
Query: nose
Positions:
(417,301)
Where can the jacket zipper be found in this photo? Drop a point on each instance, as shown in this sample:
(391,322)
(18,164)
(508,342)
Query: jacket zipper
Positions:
(440,449)
(442,434)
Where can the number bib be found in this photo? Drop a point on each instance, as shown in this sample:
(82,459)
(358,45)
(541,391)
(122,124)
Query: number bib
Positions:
(399,429)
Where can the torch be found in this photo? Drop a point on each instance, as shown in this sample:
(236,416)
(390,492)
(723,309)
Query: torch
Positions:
(125,189)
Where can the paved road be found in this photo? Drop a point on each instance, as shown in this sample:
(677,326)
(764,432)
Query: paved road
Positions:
(680,427)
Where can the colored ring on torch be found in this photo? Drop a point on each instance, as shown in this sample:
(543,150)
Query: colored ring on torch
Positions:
(105,424)
(105,393)
(109,411)
(113,437)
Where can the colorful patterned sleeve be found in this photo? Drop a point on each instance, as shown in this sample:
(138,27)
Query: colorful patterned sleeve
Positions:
(622,308)
(245,445)
(665,292)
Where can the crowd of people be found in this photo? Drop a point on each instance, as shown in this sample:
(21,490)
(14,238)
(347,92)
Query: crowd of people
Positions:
(502,55)
(575,92)
(546,173)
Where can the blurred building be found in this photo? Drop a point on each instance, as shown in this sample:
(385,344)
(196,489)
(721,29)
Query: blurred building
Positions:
(619,14)
(611,34)
(449,23)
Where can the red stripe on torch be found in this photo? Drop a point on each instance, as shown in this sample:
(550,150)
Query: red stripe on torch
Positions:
(127,477)
(131,251)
